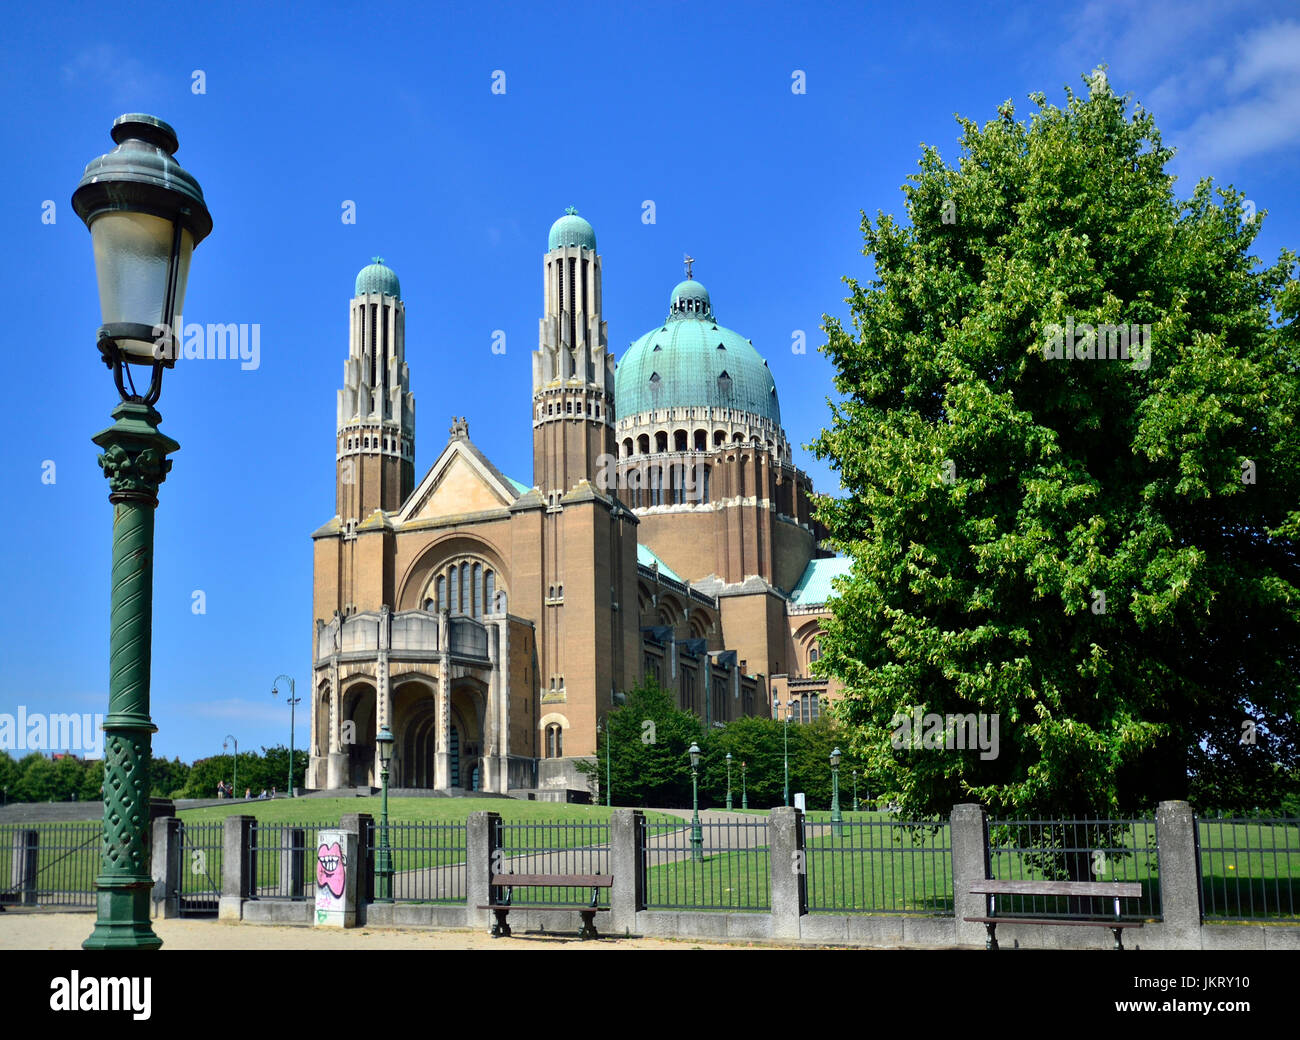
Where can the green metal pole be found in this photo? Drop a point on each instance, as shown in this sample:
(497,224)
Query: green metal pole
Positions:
(837,818)
(744,790)
(855,790)
(728,783)
(384,860)
(697,832)
(135,462)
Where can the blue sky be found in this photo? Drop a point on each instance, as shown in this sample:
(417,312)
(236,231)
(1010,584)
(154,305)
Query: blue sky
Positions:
(391,106)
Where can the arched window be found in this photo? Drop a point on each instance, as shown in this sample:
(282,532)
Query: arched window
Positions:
(554,740)
(704,490)
(627,447)
(816,710)
(661,441)
(656,491)
(643,444)
(719,438)
(464,589)
(453,604)
(724,384)
(814,653)
(430,605)
(561,592)
(478,590)
(804,715)
(491,591)
(679,440)
(701,440)
(442,591)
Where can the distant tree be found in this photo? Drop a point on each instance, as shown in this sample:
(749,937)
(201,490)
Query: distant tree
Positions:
(1099,552)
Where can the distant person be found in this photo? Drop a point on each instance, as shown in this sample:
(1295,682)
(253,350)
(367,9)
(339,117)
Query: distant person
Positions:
(263,794)
(272,792)
(248,792)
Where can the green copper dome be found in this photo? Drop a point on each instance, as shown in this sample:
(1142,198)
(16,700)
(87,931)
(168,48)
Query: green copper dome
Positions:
(378,277)
(692,362)
(571,230)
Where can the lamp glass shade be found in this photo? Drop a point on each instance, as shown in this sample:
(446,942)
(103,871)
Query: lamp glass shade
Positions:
(695,756)
(132,256)
(835,757)
(385,742)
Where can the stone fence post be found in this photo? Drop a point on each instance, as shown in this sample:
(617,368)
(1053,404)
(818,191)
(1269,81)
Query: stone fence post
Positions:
(480,845)
(167,866)
(626,830)
(1180,874)
(238,867)
(970,862)
(22,872)
(362,825)
(789,871)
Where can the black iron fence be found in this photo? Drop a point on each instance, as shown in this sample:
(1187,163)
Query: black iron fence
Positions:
(728,868)
(551,847)
(1250,869)
(879,866)
(428,860)
(282,861)
(1076,850)
(50,864)
(199,850)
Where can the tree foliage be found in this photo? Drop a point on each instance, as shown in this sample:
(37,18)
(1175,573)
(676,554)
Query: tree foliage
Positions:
(1100,552)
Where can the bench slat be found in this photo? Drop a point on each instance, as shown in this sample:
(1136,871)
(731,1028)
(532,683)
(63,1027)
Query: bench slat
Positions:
(1040,920)
(990,887)
(552,881)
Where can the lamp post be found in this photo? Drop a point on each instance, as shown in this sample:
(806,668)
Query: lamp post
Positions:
(728,781)
(383,855)
(234,763)
(787,750)
(837,818)
(293,703)
(855,790)
(697,832)
(145,214)
(744,790)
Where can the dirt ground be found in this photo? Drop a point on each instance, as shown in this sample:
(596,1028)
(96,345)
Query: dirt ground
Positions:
(54,931)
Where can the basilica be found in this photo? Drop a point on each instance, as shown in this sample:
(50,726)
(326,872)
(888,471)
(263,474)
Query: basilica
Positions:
(491,622)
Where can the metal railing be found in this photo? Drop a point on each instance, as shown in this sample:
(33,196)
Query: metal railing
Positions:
(879,866)
(428,860)
(282,861)
(732,871)
(1076,850)
(555,847)
(50,864)
(1249,869)
(199,849)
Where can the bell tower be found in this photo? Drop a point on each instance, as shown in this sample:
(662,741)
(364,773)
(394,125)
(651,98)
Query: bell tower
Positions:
(573,371)
(375,453)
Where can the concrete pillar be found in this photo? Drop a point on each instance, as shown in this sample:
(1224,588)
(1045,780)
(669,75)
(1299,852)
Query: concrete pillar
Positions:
(480,844)
(970,862)
(238,867)
(362,825)
(291,862)
(1180,874)
(625,863)
(22,871)
(789,871)
(167,866)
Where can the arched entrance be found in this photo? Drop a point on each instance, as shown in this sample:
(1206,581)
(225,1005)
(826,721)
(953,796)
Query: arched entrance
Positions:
(415,726)
(357,729)
(468,704)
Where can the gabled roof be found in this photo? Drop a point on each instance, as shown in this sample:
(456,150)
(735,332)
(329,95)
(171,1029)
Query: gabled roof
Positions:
(646,558)
(815,584)
(462,480)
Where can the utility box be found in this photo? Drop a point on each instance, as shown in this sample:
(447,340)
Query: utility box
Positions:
(336,879)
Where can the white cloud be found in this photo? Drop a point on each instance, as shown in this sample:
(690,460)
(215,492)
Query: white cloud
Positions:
(107,71)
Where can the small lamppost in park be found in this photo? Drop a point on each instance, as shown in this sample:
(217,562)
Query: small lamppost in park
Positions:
(837,818)
(728,781)
(855,790)
(384,855)
(697,832)
(234,763)
(145,214)
(293,703)
(744,790)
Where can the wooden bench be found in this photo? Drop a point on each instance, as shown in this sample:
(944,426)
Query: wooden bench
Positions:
(1108,889)
(502,905)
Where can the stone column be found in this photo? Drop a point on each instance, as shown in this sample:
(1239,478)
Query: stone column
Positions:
(789,871)
(166,866)
(22,872)
(625,865)
(336,771)
(480,844)
(442,754)
(970,862)
(383,694)
(1180,875)
(361,825)
(238,871)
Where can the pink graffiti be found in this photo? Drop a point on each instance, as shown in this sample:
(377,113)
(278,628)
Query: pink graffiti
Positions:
(331,870)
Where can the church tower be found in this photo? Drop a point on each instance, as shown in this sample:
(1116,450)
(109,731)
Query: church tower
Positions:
(573,371)
(375,452)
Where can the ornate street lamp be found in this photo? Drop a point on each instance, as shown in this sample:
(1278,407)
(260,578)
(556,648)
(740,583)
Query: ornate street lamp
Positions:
(234,782)
(383,855)
(855,790)
(728,781)
(744,790)
(293,704)
(145,214)
(697,832)
(837,818)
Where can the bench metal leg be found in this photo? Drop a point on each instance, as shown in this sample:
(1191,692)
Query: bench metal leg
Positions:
(992,942)
(589,925)
(1119,938)
(501,929)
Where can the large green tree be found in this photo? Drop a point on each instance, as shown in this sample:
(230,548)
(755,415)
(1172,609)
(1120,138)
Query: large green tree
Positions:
(1101,553)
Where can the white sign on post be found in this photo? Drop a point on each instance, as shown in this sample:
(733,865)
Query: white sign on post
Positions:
(799,802)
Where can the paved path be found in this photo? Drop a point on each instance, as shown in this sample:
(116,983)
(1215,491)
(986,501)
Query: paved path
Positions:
(46,931)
